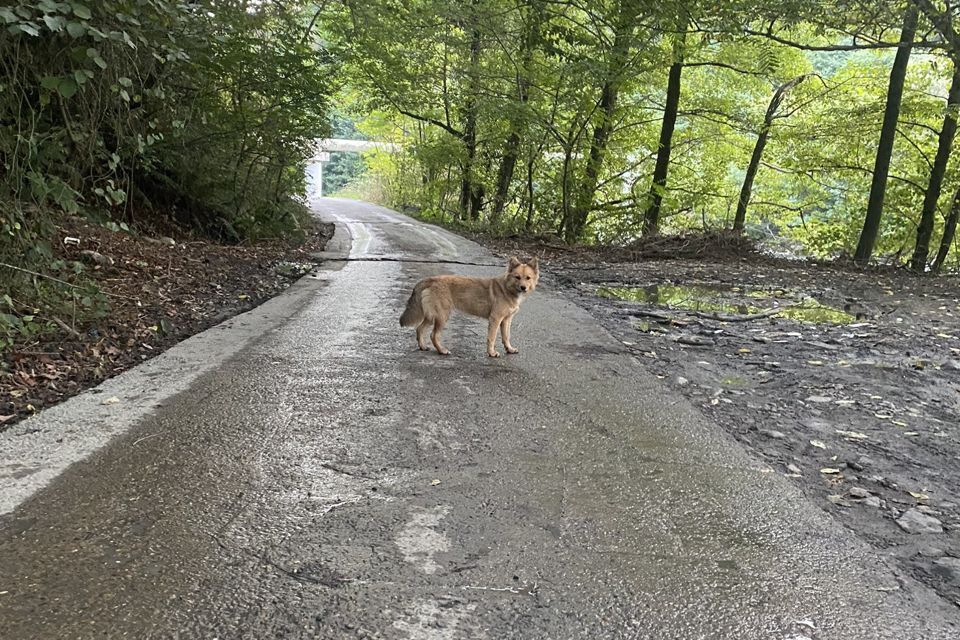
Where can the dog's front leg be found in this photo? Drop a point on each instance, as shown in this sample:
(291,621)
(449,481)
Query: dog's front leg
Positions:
(505,334)
(492,327)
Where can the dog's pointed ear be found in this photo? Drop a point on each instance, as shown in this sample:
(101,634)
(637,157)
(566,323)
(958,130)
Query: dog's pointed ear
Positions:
(514,263)
(534,264)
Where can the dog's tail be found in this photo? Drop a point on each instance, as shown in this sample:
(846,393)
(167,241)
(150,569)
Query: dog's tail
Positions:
(413,314)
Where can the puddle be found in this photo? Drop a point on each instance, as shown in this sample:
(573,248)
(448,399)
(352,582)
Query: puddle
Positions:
(691,298)
(811,311)
(731,300)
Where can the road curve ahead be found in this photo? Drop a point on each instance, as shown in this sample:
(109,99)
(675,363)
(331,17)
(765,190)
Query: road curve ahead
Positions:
(327,480)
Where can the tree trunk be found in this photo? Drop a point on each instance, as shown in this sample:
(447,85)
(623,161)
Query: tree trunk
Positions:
(746,190)
(949,230)
(512,146)
(575,220)
(469,202)
(932,196)
(529,221)
(588,188)
(881,167)
(651,219)
(565,209)
(505,176)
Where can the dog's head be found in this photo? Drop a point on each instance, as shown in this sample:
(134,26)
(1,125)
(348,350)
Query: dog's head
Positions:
(523,276)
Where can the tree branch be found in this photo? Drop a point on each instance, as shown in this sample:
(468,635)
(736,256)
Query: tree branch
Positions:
(843,47)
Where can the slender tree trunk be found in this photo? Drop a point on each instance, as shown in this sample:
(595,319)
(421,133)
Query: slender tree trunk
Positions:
(651,218)
(470,143)
(512,147)
(949,230)
(565,209)
(469,202)
(888,132)
(746,190)
(932,196)
(528,223)
(575,220)
(598,148)
(505,175)
(476,200)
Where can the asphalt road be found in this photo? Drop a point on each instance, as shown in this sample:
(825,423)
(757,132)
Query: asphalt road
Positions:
(304,471)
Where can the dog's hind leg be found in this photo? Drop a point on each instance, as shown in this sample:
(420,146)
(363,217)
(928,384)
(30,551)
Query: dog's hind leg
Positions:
(422,335)
(435,337)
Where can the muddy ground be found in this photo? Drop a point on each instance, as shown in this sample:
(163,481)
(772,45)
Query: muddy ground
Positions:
(852,391)
(159,290)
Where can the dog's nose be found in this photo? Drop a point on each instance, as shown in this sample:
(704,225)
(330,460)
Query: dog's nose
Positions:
(523,287)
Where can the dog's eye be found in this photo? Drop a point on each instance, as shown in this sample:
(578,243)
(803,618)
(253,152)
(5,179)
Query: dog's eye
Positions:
(517,277)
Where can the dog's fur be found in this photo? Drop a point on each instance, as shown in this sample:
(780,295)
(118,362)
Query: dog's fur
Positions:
(496,299)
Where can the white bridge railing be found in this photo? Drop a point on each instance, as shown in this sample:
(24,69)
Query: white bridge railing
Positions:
(328,145)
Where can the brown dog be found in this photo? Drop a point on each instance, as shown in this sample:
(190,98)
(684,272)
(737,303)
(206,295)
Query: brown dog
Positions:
(496,299)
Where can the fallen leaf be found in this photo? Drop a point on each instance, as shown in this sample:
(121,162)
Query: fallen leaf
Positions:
(829,470)
(435,482)
(819,444)
(5,418)
(919,496)
(111,400)
(816,363)
(899,423)
(911,433)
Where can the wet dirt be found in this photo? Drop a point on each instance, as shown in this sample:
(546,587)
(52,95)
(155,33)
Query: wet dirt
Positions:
(845,381)
(731,300)
(159,294)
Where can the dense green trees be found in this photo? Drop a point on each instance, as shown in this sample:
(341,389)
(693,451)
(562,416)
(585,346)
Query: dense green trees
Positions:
(141,108)
(825,124)
(146,112)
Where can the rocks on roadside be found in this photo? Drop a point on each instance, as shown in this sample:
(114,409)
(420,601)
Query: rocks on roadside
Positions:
(859,492)
(773,434)
(840,501)
(915,521)
(948,567)
(96,258)
(164,240)
(694,340)
(930,551)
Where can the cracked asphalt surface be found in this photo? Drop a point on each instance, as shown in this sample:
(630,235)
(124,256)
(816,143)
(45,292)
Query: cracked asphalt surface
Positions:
(327,480)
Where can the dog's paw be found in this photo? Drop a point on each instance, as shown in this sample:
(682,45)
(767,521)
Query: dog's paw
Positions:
(444,352)
(493,354)
(422,348)
(513,350)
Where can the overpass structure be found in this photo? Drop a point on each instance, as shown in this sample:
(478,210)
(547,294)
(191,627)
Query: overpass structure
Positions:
(326,146)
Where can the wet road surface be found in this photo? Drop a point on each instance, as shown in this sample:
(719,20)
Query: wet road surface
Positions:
(327,480)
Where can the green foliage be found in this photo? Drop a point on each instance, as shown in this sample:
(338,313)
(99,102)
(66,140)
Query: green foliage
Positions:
(413,69)
(202,113)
